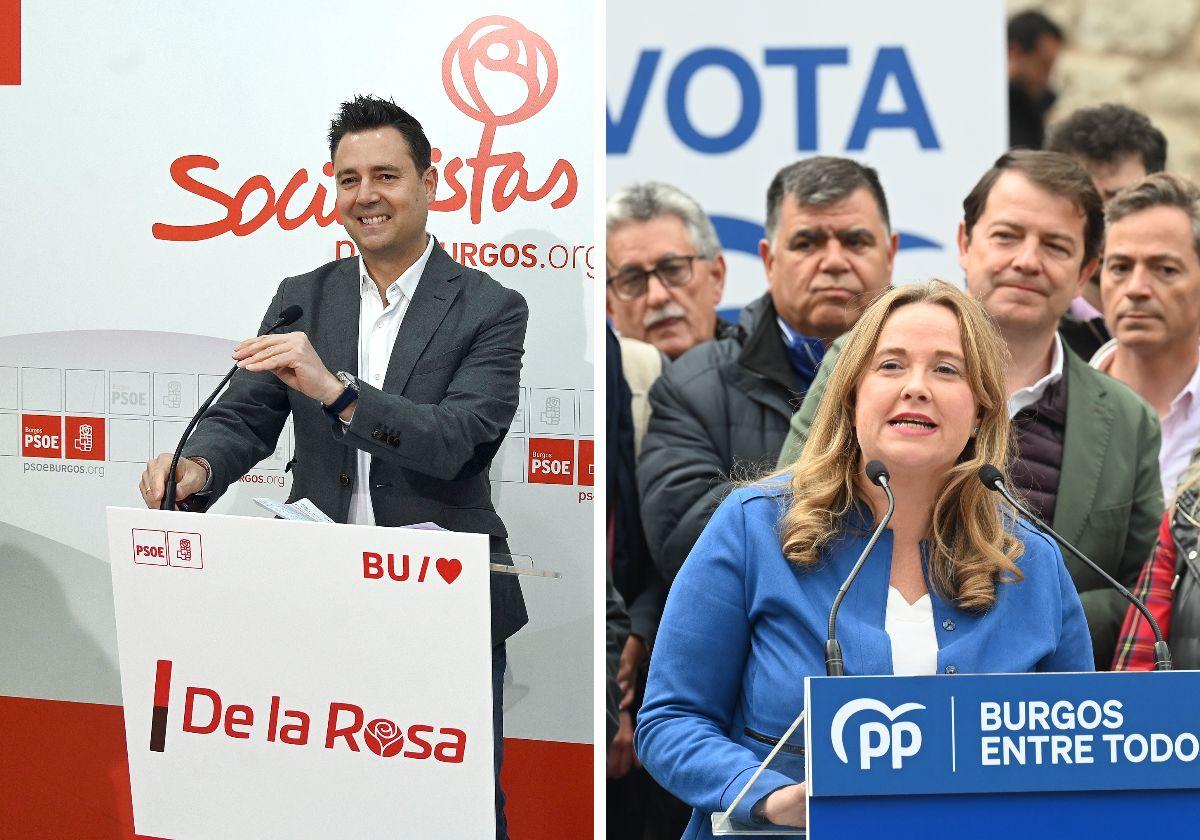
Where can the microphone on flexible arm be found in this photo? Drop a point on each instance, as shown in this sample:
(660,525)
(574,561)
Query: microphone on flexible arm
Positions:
(993,480)
(878,475)
(288,316)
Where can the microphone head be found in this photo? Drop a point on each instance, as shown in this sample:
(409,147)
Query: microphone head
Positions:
(290,315)
(991,477)
(877,473)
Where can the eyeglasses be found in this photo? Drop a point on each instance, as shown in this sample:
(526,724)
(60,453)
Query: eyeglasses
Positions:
(631,283)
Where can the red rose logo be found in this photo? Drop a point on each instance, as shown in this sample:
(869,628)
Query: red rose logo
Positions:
(511,58)
(500,73)
(383,737)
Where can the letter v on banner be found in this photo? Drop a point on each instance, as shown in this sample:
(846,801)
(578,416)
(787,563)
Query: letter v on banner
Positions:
(10,42)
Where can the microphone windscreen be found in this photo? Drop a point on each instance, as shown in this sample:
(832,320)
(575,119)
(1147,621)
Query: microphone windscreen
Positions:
(877,472)
(290,315)
(991,477)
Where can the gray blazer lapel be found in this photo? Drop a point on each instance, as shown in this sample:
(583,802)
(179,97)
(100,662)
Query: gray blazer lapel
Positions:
(436,291)
(1085,443)
(338,318)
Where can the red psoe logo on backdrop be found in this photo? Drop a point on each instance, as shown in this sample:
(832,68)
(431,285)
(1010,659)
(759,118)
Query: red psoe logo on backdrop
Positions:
(587,467)
(10,42)
(84,438)
(551,461)
(41,436)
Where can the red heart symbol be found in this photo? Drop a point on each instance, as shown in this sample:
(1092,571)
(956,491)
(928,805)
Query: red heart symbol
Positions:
(449,569)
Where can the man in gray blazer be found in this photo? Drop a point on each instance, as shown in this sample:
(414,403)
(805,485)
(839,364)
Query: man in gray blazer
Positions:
(401,376)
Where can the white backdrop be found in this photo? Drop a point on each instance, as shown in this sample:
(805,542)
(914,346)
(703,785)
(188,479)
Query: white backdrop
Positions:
(114,323)
(718,101)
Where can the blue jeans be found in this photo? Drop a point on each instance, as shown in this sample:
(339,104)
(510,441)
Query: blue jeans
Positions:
(499,660)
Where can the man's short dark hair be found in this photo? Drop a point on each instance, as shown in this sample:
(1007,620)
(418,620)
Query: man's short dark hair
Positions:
(1107,133)
(819,181)
(1057,174)
(1027,28)
(364,113)
(1162,189)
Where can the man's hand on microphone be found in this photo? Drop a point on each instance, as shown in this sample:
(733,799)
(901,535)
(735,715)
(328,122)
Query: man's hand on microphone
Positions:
(292,358)
(190,478)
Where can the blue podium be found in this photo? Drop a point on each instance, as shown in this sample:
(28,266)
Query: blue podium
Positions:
(1001,756)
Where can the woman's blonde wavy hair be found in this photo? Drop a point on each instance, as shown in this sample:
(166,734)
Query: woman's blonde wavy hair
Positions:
(971,545)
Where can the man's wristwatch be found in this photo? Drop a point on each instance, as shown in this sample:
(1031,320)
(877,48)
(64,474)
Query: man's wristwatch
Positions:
(349,395)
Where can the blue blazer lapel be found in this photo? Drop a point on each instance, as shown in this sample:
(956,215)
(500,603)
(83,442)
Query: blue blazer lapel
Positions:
(436,291)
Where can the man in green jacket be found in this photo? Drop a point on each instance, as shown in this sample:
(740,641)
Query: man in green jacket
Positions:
(1087,445)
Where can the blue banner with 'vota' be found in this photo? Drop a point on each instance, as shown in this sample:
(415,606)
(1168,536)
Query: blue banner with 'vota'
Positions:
(1003,733)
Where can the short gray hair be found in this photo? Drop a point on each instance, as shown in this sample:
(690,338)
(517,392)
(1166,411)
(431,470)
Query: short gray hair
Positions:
(1162,189)
(819,181)
(652,200)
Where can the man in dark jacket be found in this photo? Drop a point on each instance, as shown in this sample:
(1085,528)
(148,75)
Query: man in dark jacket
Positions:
(721,411)
(1034,42)
(1118,147)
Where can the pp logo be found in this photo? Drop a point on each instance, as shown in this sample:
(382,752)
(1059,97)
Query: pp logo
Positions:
(899,739)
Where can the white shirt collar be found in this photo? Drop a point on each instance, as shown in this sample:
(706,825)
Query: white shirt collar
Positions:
(789,335)
(406,283)
(1030,395)
(1190,392)
(1102,359)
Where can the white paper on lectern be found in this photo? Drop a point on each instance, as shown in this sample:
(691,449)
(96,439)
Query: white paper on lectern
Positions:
(252,609)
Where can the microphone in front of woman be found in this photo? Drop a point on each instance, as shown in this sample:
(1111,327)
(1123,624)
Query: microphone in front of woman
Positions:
(957,584)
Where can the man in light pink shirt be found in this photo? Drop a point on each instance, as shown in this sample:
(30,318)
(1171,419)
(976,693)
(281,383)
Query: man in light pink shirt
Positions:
(1150,284)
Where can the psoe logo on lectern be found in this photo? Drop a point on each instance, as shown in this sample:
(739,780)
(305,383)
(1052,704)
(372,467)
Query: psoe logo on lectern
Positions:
(180,549)
(897,739)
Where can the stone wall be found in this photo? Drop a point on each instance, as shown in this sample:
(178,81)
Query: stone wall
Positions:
(1144,54)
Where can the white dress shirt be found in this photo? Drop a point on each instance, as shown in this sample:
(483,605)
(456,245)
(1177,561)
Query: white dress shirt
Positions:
(914,639)
(1028,396)
(378,326)
(1180,426)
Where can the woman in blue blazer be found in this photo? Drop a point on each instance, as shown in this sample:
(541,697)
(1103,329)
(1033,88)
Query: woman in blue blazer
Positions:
(956,584)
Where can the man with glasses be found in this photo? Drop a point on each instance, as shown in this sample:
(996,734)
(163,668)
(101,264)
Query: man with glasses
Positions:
(665,269)
(722,410)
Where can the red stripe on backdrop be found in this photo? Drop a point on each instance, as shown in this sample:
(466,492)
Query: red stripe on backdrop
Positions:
(162,683)
(549,789)
(63,774)
(10,42)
